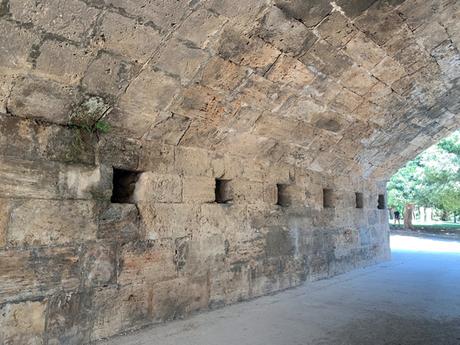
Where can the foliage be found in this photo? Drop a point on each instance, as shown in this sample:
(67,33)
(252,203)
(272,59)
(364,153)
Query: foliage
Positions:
(432,179)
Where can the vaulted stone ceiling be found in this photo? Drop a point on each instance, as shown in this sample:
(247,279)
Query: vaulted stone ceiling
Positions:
(343,86)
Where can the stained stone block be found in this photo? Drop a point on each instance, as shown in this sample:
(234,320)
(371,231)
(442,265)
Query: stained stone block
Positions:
(150,93)
(146,261)
(50,222)
(69,318)
(121,308)
(310,13)
(287,34)
(222,75)
(178,298)
(27,274)
(99,264)
(22,323)
(358,80)
(192,162)
(43,99)
(163,221)
(56,16)
(165,15)
(388,71)
(119,222)
(168,127)
(17,45)
(108,74)
(364,51)
(199,189)
(153,187)
(336,29)
(251,52)
(289,71)
(62,62)
(186,64)
(156,157)
(200,27)
(128,37)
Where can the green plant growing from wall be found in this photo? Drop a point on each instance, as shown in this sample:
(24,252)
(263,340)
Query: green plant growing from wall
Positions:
(87,120)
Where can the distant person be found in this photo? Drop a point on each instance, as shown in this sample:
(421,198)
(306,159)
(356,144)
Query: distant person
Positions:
(397,217)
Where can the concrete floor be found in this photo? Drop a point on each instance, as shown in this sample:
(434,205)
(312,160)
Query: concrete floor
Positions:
(414,299)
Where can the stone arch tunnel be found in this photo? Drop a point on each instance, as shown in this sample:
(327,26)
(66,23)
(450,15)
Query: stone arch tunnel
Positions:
(161,157)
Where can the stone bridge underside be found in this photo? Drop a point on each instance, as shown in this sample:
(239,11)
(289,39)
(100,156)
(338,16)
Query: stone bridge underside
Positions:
(160,157)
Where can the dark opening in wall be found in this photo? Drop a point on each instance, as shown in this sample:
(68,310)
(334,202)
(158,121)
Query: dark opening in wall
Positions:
(381,202)
(223,194)
(282,196)
(328,198)
(359,200)
(124,183)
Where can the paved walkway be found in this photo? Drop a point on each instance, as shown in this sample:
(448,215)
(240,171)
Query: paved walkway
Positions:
(412,300)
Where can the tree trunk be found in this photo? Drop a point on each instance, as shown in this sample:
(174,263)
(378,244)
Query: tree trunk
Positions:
(408,214)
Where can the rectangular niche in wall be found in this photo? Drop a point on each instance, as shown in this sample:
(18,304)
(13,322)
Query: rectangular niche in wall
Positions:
(381,202)
(359,200)
(223,192)
(282,196)
(124,183)
(328,198)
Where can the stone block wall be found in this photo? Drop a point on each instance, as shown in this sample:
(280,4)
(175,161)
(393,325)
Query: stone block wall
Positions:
(100,235)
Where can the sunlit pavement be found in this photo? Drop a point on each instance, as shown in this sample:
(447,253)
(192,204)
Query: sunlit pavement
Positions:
(414,299)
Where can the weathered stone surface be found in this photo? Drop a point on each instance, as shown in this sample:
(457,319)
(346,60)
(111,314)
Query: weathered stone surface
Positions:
(128,37)
(158,188)
(198,189)
(38,98)
(70,19)
(50,222)
(119,116)
(22,323)
(28,274)
(162,221)
(146,261)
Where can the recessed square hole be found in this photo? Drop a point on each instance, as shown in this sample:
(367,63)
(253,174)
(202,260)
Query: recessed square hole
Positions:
(381,202)
(124,183)
(223,192)
(282,196)
(328,198)
(359,200)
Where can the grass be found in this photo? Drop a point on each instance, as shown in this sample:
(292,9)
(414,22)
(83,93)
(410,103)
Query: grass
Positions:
(434,227)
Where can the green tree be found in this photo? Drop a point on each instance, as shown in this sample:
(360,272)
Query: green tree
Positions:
(432,179)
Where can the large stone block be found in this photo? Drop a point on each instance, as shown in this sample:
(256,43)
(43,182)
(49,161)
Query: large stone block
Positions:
(152,187)
(168,127)
(56,16)
(118,222)
(128,37)
(121,308)
(200,27)
(162,221)
(108,74)
(17,46)
(156,157)
(22,323)
(286,33)
(69,318)
(198,189)
(44,99)
(50,222)
(149,93)
(62,62)
(38,272)
(99,264)
(146,261)
(251,52)
(310,13)
(186,63)
(193,162)
(177,298)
